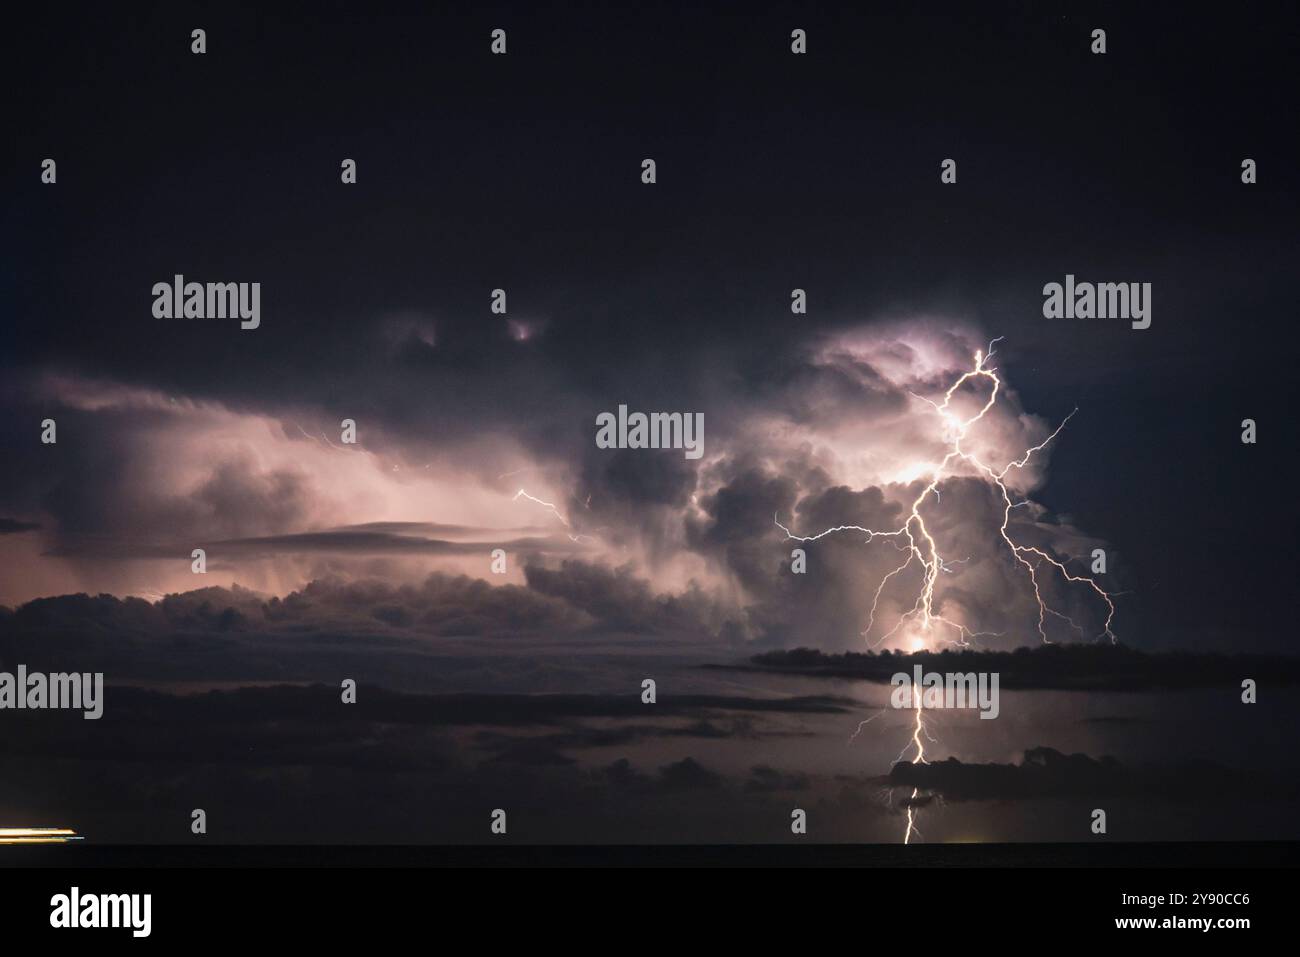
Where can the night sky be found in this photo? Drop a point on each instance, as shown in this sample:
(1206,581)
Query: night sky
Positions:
(522,171)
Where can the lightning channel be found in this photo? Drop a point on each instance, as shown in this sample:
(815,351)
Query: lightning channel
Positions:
(914,540)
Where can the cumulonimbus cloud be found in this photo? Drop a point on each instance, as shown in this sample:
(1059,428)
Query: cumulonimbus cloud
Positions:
(838,430)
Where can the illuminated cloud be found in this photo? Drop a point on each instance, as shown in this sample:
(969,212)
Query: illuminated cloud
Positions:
(839,431)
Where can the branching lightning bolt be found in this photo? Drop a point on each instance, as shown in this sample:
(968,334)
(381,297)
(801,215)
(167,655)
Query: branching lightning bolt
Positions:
(914,539)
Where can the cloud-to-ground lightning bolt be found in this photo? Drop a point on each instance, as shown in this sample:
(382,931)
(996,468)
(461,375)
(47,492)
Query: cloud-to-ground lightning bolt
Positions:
(913,537)
(917,731)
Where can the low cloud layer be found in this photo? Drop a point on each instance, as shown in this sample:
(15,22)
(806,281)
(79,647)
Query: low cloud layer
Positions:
(1047,773)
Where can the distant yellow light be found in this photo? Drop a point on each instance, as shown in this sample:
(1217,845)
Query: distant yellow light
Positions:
(37,835)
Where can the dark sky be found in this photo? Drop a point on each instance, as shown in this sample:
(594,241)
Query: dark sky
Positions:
(775,171)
